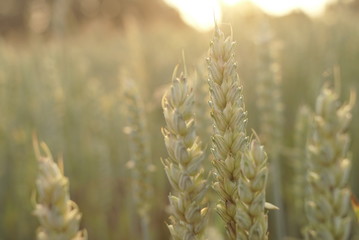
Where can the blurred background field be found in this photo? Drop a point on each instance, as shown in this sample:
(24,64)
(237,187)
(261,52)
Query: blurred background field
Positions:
(60,65)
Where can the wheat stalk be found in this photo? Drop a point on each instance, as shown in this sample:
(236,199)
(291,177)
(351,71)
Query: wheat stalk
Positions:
(58,215)
(140,164)
(328,198)
(229,126)
(184,164)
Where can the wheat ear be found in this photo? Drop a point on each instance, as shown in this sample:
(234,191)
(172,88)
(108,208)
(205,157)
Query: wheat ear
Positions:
(184,164)
(251,213)
(270,106)
(140,163)
(328,198)
(201,98)
(269,102)
(298,184)
(59,216)
(229,126)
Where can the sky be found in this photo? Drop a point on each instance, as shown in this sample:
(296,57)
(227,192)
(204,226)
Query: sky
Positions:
(200,13)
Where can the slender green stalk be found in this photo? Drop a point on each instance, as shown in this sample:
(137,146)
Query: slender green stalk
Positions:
(58,215)
(328,197)
(184,164)
(229,127)
(140,164)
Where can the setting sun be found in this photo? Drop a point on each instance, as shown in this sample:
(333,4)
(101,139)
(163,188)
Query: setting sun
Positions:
(200,13)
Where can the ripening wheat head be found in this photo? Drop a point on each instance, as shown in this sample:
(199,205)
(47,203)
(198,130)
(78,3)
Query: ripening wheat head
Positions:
(140,164)
(58,215)
(201,108)
(269,99)
(184,164)
(328,197)
(270,106)
(251,214)
(229,126)
(302,128)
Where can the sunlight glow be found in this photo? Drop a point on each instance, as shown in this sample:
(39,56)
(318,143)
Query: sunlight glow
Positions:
(231,2)
(200,13)
(280,7)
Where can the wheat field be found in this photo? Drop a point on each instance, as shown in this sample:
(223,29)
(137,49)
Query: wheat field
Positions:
(157,131)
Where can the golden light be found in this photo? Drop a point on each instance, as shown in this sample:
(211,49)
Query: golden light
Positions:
(201,13)
(231,2)
(198,13)
(280,7)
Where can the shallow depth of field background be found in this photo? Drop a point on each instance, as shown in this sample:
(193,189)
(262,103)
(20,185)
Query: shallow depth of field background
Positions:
(60,65)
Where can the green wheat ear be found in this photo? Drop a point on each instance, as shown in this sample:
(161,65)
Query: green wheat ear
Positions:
(229,127)
(298,184)
(201,98)
(240,165)
(270,107)
(59,216)
(328,197)
(140,163)
(188,206)
(251,213)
